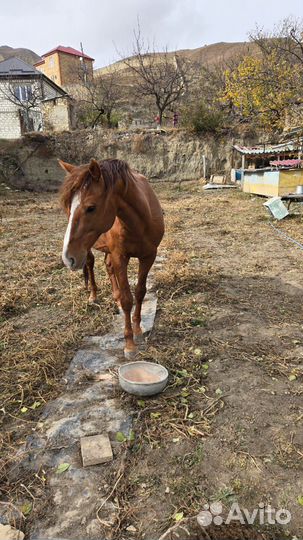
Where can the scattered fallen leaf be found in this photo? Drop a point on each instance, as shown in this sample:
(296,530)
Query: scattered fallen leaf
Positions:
(201,390)
(26,508)
(155,414)
(300,500)
(292,377)
(62,468)
(178,516)
(35,405)
(120,437)
(131,435)
(182,372)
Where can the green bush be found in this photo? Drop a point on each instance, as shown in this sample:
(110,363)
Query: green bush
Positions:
(202,119)
(87,116)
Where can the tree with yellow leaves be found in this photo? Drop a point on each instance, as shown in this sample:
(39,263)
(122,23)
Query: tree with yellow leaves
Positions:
(263,89)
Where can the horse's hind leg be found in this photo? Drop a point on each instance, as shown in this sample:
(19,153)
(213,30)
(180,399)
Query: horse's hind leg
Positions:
(112,277)
(140,291)
(89,276)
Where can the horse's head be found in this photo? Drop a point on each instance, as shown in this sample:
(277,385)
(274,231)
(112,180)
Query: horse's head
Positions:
(90,207)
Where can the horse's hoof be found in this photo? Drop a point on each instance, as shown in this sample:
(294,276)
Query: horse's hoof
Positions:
(93,302)
(130,354)
(138,338)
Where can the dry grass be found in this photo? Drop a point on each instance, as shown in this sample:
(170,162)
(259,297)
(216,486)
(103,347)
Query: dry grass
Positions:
(43,312)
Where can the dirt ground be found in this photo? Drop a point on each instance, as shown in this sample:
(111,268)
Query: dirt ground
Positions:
(229,329)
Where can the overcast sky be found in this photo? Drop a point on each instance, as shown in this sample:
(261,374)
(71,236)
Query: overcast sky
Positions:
(105,26)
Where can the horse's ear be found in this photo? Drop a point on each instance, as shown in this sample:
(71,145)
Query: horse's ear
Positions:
(67,167)
(94,169)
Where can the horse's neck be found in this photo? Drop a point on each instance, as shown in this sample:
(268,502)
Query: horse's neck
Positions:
(132,208)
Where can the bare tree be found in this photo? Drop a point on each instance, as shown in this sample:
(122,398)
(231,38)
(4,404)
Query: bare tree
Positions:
(286,39)
(163,76)
(284,46)
(101,95)
(208,88)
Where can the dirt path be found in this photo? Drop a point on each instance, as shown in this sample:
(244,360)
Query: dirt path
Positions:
(229,328)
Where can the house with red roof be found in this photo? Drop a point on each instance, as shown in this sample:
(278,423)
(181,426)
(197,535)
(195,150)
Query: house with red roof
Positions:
(30,101)
(66,66)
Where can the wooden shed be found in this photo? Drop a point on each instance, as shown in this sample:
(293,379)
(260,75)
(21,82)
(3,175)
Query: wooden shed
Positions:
(271,169)
(272,183)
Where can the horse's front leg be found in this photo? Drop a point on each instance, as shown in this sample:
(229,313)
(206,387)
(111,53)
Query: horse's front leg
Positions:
(140,291)
(111,273)
(126,298)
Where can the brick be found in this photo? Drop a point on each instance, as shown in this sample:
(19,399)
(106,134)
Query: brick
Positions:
(96,449)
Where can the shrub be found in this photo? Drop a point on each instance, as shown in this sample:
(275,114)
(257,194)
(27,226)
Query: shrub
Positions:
(202,119)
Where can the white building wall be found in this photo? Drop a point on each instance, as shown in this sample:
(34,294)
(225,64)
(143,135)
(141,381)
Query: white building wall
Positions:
(55,112)
(9,117)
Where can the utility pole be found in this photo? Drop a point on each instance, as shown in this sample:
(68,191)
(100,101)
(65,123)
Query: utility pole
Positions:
(83,65)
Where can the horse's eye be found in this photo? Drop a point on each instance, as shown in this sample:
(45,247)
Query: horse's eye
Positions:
(90,209)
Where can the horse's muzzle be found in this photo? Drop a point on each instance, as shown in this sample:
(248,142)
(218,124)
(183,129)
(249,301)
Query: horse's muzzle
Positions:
(72,263)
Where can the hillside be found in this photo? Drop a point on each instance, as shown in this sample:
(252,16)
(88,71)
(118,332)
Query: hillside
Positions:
(208,54)
(216,52)
(24,54)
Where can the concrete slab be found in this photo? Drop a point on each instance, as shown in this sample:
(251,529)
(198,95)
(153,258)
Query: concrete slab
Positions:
(95,450)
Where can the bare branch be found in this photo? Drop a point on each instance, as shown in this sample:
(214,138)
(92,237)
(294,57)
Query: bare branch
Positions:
(163,76)
(101,95)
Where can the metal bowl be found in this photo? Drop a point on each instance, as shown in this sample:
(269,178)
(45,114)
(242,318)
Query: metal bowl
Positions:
(143,378)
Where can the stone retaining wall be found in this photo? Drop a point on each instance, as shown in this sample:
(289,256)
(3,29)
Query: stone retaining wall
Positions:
(31,163)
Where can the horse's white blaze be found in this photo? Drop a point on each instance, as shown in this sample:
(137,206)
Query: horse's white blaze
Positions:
(75,203)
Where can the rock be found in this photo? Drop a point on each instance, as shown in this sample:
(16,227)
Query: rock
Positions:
(94,529)
(9,533)
(131,528)
(96,449)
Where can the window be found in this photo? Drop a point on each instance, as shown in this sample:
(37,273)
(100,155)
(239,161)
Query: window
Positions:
(23,93)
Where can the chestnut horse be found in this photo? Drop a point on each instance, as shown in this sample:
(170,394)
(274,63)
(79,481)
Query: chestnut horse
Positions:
(113,209)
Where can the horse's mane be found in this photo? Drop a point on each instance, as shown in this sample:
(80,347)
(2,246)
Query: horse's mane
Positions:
(111,171)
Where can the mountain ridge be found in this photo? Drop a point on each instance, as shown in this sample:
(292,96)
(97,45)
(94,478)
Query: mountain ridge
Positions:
(27,55)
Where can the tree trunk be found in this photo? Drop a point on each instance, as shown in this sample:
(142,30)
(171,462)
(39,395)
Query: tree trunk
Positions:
(97,118)
(160,117)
